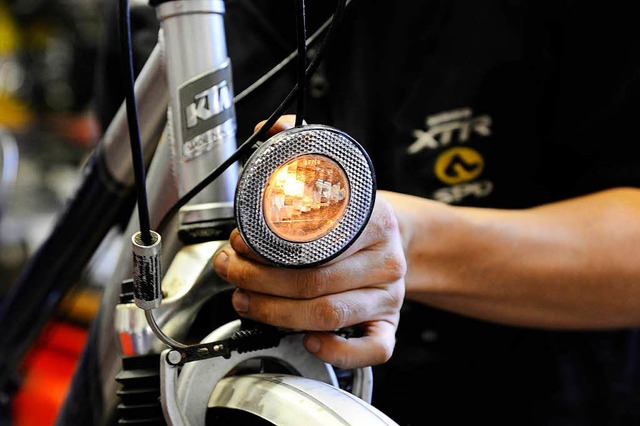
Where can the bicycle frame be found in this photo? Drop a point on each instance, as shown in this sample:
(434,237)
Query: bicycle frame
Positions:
(188,128)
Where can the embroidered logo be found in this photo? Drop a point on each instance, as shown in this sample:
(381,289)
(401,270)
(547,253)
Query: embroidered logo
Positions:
(442,127)
(457,166)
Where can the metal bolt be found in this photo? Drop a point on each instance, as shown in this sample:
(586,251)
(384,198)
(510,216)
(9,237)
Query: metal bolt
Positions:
(174,357)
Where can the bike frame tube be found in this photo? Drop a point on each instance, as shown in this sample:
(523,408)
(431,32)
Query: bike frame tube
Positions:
(201,117)
(198,84)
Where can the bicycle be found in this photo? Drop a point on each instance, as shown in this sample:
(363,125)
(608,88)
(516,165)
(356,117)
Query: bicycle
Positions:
(235,357)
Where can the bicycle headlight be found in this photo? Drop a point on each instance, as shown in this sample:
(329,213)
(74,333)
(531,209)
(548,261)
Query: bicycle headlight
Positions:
(304,196)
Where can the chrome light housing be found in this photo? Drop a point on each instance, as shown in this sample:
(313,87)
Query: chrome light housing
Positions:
(304,196)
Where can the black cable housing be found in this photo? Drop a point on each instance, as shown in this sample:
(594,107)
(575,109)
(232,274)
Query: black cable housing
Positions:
(280,67)
(301,36)
(126,55)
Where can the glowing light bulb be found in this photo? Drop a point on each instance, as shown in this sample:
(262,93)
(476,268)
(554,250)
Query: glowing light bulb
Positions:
(305,198)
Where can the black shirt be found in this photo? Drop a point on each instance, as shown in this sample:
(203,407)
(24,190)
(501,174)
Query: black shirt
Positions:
(505,104)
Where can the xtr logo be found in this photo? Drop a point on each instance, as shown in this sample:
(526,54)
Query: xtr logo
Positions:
(209,103)
(457,164)
(447,127)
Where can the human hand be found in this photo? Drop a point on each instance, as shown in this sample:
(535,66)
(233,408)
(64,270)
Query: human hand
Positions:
(363,287)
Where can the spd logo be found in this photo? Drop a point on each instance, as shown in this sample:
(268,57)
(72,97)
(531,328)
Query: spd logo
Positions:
(459,164)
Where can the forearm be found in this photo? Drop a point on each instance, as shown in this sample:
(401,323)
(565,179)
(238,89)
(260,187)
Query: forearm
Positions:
(571,264)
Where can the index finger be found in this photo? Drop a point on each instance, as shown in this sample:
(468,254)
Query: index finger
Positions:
(285,122)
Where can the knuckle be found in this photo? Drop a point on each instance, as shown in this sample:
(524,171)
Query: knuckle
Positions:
(395,296)
(240,273)
(385,353)
(271,311)
(334,315)
(383,349)
(387,222)
(268,316)
(399,294)
(341,360)
(309,282)
(395,266)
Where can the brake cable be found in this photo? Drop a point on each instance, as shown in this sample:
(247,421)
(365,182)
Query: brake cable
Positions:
(146,243)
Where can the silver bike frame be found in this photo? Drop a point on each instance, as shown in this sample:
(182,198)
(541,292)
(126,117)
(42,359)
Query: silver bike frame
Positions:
(187,78)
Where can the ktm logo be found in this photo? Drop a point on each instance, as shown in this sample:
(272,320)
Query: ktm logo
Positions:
(208,103)
(459,164)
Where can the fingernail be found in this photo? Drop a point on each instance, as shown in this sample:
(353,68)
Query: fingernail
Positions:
(234,240)
(221,262)
(237,243)
(312,343)
(240,301)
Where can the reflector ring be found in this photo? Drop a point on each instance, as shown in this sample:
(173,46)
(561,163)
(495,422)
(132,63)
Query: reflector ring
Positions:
(278,150)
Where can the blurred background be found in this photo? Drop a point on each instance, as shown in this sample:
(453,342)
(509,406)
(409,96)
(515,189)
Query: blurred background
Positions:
(48,126)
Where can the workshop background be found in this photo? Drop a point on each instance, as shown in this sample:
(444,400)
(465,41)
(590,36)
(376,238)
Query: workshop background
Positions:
(48,55)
